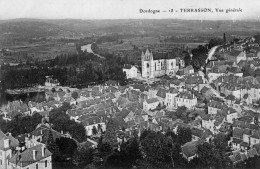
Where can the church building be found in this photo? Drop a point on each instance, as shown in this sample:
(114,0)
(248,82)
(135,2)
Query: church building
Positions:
(159,64)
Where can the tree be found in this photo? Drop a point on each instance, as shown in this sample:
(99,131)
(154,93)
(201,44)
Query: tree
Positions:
(94,130)
(187,58)
(160,151)
(83,156)
(206,154)
(52,146)
(110,135)
(67,147)
(77,131)
(104,149)
(180,111)
(132,151)
(215,41)
(184,135)
(22,124)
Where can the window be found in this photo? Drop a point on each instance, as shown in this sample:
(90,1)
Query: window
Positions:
(0,162)
(147,65)
(36,166)
(46,163)
(155,66)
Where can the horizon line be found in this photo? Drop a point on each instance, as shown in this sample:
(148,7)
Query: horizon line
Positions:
(244,19)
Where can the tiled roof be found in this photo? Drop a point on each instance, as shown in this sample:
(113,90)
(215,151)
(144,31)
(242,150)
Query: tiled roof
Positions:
(91,121)
(257,147)
(185,95)
(234,52)
(238,132)
(236,157)
(152,100)
(252,152)
(43,131)
(256,135)
(13,142)
(247,132)
(161,93)
(230,97)
(127,66)
(175,82)
(197,132)
(26,157)
(193,80)
(204,90)
(172,90)
(190,149)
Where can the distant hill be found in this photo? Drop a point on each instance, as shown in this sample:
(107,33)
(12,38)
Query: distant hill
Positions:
(21,30)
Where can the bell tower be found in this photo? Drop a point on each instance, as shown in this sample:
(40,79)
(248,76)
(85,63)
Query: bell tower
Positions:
(146,63)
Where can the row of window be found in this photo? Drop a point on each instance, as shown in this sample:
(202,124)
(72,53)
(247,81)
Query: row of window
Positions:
(184,100)
(36,166)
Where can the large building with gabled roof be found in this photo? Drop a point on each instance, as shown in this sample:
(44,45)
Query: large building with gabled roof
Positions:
(156,64)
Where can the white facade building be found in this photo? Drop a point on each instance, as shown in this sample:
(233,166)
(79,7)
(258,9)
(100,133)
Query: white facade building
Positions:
(170,98)
(150,104)
(185,99)
(130,71)
(51,82)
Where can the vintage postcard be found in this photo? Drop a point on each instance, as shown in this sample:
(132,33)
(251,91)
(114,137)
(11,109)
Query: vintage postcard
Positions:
(129,84)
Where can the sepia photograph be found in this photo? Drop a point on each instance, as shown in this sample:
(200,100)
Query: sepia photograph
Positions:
(129,84)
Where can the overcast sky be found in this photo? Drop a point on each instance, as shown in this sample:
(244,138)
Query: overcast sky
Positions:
(125,9)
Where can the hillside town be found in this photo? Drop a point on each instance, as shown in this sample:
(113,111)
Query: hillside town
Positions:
(162,96)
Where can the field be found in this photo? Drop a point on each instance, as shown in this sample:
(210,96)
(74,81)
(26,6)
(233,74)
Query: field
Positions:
(39,51)
(129,46)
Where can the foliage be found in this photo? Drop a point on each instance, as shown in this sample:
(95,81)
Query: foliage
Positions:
(213,154)
(215,41)
(94,130)
(199,56)
(61,122)
(67,147)
(83,156)
(180,113)
(69,69)
(21,124)
(161,151)
(257,38)
(184,135)
(127,156)
(110,134)
(52,146)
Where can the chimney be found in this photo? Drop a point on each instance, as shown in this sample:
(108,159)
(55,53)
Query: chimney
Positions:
(6,143)
(34,154)
(43,151)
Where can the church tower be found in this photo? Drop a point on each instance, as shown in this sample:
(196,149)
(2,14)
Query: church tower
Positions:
(147,59)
